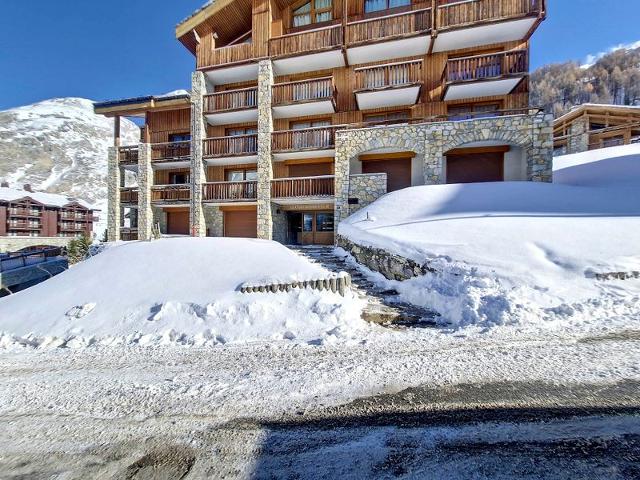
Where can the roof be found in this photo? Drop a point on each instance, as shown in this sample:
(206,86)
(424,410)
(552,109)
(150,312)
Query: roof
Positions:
(579,110)
(136,105)
(8,194)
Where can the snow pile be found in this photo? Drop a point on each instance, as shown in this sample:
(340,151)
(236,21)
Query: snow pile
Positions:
(515,252)
(180,290)
(606,166)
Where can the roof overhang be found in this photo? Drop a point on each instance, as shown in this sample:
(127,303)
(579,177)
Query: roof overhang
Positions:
(140,105)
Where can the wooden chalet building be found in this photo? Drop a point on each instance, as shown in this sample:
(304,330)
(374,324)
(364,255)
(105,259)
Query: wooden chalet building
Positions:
(302,112)
(593,126)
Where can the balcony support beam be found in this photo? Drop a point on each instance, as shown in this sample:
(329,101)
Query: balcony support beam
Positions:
(145,180)
(113,192)
(198,174)
(265,128)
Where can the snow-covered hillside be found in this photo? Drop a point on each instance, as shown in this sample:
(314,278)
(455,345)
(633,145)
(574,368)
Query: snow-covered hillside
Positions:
(59,146)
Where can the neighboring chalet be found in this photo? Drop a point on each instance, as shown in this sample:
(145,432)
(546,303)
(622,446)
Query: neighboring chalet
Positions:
(30,218)
(592,126)
(302,112)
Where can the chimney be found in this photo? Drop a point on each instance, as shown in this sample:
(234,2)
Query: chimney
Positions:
(4,184)
(27,187)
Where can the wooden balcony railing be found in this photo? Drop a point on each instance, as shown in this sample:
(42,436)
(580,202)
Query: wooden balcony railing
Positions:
(391,75)
(24,212)
(482,67)
(129,195)
(128,234)
(454,14)
(208,57)
(230,191)
(320,186)
(381,28)
(128,155)
(171,193)
(71,227)
(306,41)
(231,100)
(170,151)
(230,146)
(304,91)
(75,216)
(24,225)
(304,139)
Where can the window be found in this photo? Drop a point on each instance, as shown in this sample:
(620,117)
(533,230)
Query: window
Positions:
(178,178)
(180,137)
(469,111)
(307,222)
(315,11)
(597,126)
(311,138)
(243,144)
(324,222)
(387,117)
(242,175)
(377,5)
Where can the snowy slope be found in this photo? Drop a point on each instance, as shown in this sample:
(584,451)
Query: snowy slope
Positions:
(615,165)
(59,146)
(182,290)
(515,252)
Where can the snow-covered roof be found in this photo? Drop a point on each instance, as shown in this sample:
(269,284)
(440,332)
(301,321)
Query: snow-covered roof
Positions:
(578,109)
(209,2)
(149,99)
(8,194)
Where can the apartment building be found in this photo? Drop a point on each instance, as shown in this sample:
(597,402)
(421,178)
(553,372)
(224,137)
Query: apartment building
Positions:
(301,113)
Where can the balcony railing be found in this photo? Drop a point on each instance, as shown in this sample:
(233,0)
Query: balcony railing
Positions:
(304,91)
(24,225)
(24,212)
(391,75)
(128,155)
(230,191)
(171,193)
(230,146)
(171,151)
(208,56)
(231,100)
(462,13)
(82,216)
(71,227)
(382,28)
(306,41)
(129,195)
(483,67)
(128,234)
(320,186)
(305,138)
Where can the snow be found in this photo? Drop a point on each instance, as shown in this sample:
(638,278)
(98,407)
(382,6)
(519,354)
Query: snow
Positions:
(173,93)
(518,253)
(51,199)
(178,291)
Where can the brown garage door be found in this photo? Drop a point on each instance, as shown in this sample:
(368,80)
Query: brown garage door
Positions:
(398,171)
(310,169)
(241,223)
(475,167)
(178,222)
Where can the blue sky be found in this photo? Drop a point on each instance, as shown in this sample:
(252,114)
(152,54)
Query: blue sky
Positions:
(108,49)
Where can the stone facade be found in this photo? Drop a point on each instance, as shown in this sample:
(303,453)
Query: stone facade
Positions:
(159,218)
(114,182)
(265,169)
(198,173)
(214,219)
(366,188)
(145,181)
(578,136)
(280,229)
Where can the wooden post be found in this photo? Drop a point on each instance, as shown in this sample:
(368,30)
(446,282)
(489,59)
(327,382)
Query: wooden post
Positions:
(116,131)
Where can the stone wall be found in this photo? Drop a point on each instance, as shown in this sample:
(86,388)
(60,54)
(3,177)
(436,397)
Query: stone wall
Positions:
(280,232)
(114,179)
(578,136)
(265,168)
(159,217)
(366,188)
(198,175)
(214,219)
(145,181)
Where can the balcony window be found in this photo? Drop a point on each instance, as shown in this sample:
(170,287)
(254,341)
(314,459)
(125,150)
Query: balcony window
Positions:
(306,138)
(242,175)
(315,11)
(377,5)
(387,117)
(242,144)
(181,178)
(467,112)
(180,137)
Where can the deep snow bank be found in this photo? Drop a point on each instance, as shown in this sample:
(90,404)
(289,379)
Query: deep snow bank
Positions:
(607,166)
(513,252)
(180,290)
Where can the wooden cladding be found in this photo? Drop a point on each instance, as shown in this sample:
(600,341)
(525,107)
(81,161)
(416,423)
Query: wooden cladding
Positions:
(231,145)
(231,100)
(306,41)
(483,67)
(171,193)
(399,25)
(466,12)
(389,75)
(128,155)
(230,191)
(322,186)
(304,138)
(207,55)
(171,151)
(129,195)
(304,91)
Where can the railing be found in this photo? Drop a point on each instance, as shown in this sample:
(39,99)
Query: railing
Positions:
(388,76)
(128,234)
(304,91)
(229,191)
(472,11)
(75,216)
(170,151)
(208,56)
(171,193)
(232,145)
(24,225)
(128,155)
(320,186)
(71,227)
(304,138)
(380,28)
(462,116)
(306,41)
(24,212)
(480,67)
(129,195)
(231,100)
(13,261)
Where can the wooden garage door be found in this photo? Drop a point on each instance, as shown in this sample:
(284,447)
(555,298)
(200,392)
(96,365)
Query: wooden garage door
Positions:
(475,167)
(178,222)
(398,171)
(310,169)
(241,223)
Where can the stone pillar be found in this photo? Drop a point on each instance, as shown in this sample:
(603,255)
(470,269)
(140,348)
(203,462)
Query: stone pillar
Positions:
(341,177)
(145,182)
(578,136)
(114,182)
(198,172)
(540,154)
(265,127)
(434,158)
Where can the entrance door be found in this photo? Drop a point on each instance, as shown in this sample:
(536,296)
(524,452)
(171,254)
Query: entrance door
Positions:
(178,222)
(241,223)
(317,228)
(398,171)
(475,167)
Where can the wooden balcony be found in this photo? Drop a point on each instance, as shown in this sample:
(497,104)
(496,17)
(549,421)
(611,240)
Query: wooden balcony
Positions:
(231,146)
(171,152)
(232,106)
(71,227)
(128,234)
(230,191)
(317,138)
(484,75)
(171,193)
(129,195)
(452,14)
(321,186)
(128,155)
(304,98)
(210,57)
(24,212)
(390,85)
(24,225)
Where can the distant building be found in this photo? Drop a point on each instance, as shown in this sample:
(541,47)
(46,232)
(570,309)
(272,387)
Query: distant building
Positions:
(592,126)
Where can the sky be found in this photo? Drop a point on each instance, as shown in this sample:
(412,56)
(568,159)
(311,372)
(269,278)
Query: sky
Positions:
(111,49)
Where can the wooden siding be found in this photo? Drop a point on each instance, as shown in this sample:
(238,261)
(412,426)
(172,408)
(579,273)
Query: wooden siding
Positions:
(162,124)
